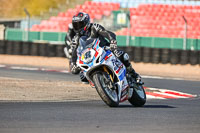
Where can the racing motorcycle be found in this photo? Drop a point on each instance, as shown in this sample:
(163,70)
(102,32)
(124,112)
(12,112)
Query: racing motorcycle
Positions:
(107,74)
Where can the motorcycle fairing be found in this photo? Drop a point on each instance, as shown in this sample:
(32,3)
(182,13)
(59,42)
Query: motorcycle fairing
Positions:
(108,59)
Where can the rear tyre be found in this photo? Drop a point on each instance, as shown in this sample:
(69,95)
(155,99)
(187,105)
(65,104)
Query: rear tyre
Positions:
(138,98)
(108,95)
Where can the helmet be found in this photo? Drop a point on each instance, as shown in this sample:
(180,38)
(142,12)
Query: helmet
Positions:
(81,22)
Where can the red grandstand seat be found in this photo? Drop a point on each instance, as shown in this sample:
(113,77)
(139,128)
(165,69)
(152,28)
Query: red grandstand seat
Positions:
(87,11)
(94,4)
(132,10)
(61,14)
(35,28)
(63,28)
(88,3)
(98,16)
(106,13)
(79,7)
(116,6)
(92,14)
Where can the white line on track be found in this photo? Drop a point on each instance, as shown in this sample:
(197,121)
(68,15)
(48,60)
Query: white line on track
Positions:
(24,68)
(65,71)
(158,77)
(155,93)
(2,65)
(32,68)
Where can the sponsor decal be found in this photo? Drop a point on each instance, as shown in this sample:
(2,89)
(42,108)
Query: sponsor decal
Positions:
(108,57)
(116,63)
(124,98)
(124,92)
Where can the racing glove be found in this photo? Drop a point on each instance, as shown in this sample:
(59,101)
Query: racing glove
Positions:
(113,45)
(72,48)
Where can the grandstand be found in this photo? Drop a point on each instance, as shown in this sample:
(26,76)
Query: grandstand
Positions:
(148,18)
(136,3)
(60,23)
(164,21)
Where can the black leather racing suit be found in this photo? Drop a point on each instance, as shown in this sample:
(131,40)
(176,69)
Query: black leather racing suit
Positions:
(94,31)
(68,41)
(70,35)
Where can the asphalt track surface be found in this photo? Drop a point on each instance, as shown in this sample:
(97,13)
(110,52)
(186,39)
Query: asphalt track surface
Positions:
(157,116)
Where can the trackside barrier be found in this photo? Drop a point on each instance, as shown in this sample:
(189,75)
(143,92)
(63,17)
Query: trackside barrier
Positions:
(135,41)
(21,35)
(159,55)
(165,56)
(137,54)
(30,48)
(158,42)
(147,55)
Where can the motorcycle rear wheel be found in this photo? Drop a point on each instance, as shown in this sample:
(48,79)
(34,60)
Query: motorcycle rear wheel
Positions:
(109,96)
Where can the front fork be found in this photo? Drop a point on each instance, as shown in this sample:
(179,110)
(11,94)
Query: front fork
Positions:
(106,70)
(110,80)
(113,86)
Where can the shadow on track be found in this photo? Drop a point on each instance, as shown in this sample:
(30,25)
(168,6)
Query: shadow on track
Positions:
(146,106)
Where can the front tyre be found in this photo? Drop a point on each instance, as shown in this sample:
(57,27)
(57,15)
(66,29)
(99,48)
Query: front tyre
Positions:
(106,91)
(138,98)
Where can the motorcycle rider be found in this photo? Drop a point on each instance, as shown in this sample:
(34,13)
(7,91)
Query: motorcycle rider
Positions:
(83,27)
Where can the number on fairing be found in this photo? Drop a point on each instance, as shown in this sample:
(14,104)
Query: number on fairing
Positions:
(88,55)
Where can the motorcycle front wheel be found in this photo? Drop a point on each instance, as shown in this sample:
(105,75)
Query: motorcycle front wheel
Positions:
(138,98)
(108,94)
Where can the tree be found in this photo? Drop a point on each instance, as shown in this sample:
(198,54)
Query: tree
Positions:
(15,8)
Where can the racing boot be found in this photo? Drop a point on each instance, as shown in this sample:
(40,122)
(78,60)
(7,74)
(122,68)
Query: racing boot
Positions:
(124,58)
(135,75)
(83,78)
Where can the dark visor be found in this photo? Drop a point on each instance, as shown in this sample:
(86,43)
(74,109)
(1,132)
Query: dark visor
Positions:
(78,25)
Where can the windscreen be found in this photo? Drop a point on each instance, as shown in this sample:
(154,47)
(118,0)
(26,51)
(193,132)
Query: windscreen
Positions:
(85,42)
